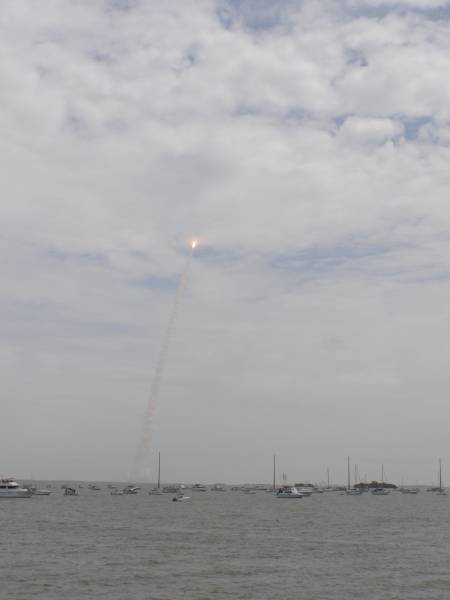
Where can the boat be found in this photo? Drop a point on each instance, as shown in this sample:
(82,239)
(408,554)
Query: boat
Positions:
(171,489)
(156,491)
(305,490)
(131,489)
(380,491)
(70,491)
(180,498)
(351,491)
(40,492)
(441,491)
(199,487)
(35,491)
(116,492)
(218,487)
(407,490)
(9,488)
(94,487)
(289,491)
(274,482)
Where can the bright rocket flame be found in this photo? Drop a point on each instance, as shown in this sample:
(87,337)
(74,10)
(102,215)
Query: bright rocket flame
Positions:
(194,244)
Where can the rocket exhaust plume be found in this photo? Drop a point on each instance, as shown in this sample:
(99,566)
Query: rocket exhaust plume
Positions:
(142,460)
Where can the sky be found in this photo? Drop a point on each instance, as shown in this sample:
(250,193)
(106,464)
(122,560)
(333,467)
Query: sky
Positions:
(306,145)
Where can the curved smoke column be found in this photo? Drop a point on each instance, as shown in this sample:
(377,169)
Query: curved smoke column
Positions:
(142,460)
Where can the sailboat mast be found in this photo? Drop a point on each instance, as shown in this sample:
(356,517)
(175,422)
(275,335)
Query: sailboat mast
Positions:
(274,473)
(440,475)
(348,472)
(159,470)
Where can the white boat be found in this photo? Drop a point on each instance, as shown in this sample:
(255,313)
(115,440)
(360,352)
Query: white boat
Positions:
(94,487)
(406,490)
(380,491)
(37,491)
(353,492)
(40,492)
(218,487)
(116,491)
(289,491)
(131,489)
(180,498)
(9,488)
(304,490)
(199,487)
(171,489)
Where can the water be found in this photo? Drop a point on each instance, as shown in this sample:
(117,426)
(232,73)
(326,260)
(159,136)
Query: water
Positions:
(225,545)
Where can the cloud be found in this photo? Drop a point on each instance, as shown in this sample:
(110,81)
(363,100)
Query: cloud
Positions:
(370,130)
(304,144)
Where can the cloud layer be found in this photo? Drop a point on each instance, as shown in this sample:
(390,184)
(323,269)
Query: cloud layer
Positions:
(306,144)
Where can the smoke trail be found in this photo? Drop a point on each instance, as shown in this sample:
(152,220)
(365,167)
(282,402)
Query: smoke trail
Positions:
(142,459)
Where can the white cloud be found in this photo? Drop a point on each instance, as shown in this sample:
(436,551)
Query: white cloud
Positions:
(370,130)
(288,150)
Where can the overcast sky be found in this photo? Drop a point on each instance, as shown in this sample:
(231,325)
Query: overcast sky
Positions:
(306,143)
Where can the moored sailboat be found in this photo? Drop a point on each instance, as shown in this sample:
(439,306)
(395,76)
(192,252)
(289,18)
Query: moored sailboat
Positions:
(441,491)
(351,491)
(156,491)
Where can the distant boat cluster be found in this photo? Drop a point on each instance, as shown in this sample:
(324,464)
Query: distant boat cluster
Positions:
(10,488)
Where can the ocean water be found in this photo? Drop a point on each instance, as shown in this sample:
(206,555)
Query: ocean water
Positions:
(221,545)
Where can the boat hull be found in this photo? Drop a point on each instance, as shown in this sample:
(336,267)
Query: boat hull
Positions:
(293,497)
(10,494)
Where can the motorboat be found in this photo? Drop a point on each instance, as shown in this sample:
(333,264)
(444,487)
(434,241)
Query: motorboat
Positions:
(353,492)
(70,491)
(304,490)
(199,487)
(94,487)
(380,491)
(171,489)
(405,490)
(289,491)
(131,489)
(180,498)
(218,487)
(35,491)
(40,492)
(9,488)
(116,492)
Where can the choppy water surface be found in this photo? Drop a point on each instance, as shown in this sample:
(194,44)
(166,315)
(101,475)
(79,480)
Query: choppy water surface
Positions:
(225,545)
